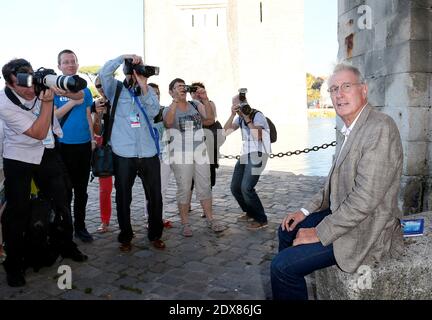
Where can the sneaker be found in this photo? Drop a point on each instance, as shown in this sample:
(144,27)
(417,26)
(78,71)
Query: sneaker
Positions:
(187,231)
(257,225)
(215,226)
(158,244)
(15,279)
(75,255)
(83,235)
(167,224)
(125,247)
(103,228)
(245,218)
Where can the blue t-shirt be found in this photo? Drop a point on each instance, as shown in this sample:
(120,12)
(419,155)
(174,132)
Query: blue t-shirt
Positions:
(76,127)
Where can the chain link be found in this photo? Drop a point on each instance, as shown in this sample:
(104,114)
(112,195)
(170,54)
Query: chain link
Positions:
(289,153)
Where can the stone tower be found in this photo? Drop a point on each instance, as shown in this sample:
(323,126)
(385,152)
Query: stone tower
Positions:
(228,44)
(391,43)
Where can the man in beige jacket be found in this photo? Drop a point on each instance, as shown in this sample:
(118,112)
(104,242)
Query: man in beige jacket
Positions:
(353,220)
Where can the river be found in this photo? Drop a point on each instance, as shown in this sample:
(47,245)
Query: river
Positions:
(316,132)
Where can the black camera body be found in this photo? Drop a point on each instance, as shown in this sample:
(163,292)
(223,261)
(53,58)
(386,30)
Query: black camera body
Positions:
(46,78)
(245,108)
(190,89)
(143,70)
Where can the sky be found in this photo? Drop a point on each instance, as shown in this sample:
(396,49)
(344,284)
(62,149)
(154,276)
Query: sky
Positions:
(99,30)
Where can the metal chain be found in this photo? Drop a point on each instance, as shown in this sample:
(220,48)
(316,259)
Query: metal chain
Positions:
(289,153)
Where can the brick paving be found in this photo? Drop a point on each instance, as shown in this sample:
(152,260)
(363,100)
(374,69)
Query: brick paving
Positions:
(232,265)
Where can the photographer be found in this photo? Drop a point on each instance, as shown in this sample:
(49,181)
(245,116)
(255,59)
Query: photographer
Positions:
(190,158)
(29,153)
(73,112)
(134,146)
(253,159)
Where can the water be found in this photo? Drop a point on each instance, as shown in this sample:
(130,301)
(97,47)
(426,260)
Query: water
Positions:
(316,132)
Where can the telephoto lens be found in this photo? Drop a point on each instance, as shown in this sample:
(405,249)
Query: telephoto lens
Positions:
(69,83)
(242,94)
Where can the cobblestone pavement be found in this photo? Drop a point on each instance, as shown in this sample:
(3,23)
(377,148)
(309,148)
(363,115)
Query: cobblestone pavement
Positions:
(232,265)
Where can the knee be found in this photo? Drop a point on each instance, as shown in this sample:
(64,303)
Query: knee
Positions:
(277,266)
(246,190)
(235,187)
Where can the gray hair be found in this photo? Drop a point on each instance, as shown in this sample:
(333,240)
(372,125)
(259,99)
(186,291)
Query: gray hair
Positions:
(348,67)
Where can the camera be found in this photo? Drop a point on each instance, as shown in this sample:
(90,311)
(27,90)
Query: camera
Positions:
(143,70)
(245,108)
(242,94)
(190,89)
(46,78)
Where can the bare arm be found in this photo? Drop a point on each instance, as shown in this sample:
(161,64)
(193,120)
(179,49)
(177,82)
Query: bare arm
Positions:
(40,127)
(170,115)
(59,113)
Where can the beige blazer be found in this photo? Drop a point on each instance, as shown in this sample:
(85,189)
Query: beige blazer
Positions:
(362,192)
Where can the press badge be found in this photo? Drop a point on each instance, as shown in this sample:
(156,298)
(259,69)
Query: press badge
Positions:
(49,140)
(135,120)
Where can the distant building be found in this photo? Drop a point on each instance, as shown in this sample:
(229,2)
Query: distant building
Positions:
(229,44)
(325,100)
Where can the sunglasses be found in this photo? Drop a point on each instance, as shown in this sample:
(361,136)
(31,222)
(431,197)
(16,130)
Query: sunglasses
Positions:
(98,86)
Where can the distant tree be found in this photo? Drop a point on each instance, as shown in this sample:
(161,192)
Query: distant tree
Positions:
(90,71)
(313,86)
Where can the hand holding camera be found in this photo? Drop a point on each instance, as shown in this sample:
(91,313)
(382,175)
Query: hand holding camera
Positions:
(101,106)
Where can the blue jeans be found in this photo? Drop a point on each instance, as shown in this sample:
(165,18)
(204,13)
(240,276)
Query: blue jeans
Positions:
(245,177)
(292,264)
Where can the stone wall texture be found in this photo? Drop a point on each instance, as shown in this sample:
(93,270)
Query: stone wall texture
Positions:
(391,43)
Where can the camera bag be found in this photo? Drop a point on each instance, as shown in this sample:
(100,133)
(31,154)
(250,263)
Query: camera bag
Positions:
(102,157)
(272,127)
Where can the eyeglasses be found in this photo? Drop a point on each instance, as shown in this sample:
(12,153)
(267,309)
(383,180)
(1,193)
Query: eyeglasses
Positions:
(345,87)
(98,86)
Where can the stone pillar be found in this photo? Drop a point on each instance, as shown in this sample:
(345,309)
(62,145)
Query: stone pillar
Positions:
(391,43)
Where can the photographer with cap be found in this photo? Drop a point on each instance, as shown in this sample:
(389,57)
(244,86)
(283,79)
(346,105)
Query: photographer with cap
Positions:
(29,153)
(135,145)
(253,159)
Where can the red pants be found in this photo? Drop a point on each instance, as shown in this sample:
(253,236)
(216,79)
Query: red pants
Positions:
(105,189)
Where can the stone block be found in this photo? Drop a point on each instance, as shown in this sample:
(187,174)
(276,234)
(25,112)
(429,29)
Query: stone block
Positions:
(376,93)
(407,89)
(427,196)
(362,42)
(415,158)
(421,4)
(398,58)
(403,278)
(348,5)
(421,24)
(375,64)
(380,39)
(421,56)
(398,28)
(411,194)
(413,123)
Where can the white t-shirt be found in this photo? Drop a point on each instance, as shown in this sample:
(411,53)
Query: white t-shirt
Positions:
(250,144)
(17,145)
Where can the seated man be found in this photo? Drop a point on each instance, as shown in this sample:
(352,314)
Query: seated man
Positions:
(353,220)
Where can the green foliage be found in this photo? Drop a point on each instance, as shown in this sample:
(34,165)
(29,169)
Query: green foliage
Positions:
(313,86)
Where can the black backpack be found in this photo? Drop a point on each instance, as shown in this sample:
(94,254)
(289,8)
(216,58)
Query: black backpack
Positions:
(272,127)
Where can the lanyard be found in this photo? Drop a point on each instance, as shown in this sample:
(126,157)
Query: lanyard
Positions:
(153,131)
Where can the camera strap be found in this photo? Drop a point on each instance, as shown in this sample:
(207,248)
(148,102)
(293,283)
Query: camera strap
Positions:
(153,131)
(112,113)
(14,99)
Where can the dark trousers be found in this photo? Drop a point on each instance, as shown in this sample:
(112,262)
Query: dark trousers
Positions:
(76,158)
(49,177)
(245,177)
(125,172)
(292,264)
